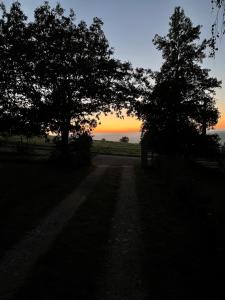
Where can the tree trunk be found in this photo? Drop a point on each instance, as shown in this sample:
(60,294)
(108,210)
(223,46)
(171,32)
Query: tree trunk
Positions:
(65,140)
(204,128)
(204,123)
(65,136)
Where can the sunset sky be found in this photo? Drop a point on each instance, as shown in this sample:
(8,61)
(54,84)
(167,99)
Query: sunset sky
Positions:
(111,123)
(130,26)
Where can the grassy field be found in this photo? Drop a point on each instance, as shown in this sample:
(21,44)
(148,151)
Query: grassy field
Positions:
(16,148)
(36,149)
(116,148)
(22,139)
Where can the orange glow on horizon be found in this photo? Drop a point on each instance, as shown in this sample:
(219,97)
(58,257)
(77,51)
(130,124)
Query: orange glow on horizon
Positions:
(110,130)
(113,124)
(220,124)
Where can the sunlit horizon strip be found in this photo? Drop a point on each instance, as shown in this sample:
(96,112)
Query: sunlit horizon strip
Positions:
(117,130)
(115,126)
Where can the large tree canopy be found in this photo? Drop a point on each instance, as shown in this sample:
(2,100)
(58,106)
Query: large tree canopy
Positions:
(15,107)
(77,73)
(180,105)
(68,74)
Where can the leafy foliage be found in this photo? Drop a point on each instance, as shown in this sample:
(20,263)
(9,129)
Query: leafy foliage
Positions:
(17,112)
(218,27)
(59,75)
(179,106)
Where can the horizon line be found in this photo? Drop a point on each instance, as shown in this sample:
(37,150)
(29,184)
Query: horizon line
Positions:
(137,131)
(116,131)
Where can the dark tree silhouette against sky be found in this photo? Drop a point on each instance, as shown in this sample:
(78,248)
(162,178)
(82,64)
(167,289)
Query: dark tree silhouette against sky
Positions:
(181,105)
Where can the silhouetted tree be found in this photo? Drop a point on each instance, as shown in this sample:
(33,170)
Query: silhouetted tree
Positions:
(12,28)
(181,104)
(18,114)
(56,75)
(218,27)
(75,70)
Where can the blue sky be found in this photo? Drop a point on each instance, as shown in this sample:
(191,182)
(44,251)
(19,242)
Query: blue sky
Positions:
(130,26)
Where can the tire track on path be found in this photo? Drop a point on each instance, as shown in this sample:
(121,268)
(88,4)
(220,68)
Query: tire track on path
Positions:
(123,278)
(17,263)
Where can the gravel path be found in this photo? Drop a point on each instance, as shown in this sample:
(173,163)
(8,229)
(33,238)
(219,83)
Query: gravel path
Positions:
(16,265)
(116,160)
(123,266)
(122,275)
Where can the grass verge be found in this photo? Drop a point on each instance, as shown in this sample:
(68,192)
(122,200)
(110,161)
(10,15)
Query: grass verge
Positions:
(178,219)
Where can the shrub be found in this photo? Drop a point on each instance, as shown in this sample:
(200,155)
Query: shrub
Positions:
(81,146)
(124,139)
